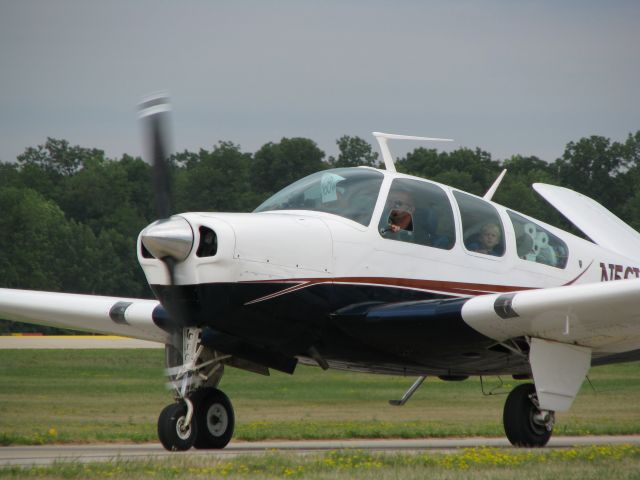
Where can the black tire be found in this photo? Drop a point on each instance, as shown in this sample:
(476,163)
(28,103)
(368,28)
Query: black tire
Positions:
(215,419)
(170,433)
(518,419)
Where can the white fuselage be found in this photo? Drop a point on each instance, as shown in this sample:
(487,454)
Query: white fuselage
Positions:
(298,245)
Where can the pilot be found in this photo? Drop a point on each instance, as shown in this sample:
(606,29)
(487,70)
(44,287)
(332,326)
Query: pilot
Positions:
(488,241)
(401,208)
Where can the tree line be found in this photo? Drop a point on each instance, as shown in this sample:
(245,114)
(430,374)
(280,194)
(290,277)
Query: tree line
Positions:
(70,216)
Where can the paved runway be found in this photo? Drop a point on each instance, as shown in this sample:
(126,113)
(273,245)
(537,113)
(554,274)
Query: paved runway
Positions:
(43,455)
(74,342)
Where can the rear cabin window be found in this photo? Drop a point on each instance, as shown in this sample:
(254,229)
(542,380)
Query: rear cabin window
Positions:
(482,229)
(418,212)
(537,244)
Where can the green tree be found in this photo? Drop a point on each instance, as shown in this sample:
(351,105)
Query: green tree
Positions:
(631,150)
(592,166)
(421,162)
(517,165)
(457,179)
(354,152)
(276,165)
(43,250)
(45,167)
(57,156)
(471,170)
(35,241)
(108,194)
(516,190)
(9,175)
(217,180)
(630,180)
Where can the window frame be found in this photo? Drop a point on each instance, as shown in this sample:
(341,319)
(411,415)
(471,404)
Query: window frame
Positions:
(541,227)
(477,227)
(422,188)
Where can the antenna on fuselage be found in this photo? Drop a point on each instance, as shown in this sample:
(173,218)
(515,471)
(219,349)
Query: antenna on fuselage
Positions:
(382,138)
(494,187)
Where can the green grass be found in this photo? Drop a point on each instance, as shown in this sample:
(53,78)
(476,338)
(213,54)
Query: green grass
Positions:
(57,396)
(620,462)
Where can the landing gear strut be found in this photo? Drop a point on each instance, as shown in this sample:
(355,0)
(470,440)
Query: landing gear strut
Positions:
(202,416)
(524,423)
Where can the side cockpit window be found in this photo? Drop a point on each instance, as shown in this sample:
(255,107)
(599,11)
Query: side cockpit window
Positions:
(418,212)
(481,226)
(537,244)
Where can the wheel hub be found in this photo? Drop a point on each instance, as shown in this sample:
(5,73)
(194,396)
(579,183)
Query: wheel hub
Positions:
(183,429)
(541,418)
(217,420)
(544,418)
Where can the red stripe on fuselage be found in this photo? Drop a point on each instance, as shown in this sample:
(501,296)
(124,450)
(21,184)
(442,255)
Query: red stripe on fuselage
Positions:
(439,286)
(571,282)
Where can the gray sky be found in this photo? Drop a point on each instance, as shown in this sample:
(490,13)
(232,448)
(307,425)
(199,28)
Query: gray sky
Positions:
(507,76)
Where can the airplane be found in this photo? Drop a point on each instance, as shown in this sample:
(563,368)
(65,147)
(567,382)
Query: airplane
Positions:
(369,270)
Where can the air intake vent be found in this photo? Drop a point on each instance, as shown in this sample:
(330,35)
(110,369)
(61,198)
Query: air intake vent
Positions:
(145,253)
(208,246)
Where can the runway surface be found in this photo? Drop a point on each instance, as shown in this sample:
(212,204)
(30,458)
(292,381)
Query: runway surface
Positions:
(74,342)
(47,454)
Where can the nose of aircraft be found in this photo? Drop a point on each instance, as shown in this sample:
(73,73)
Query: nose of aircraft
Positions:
(170,237)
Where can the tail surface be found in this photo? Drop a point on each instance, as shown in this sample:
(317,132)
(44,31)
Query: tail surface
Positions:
(594,220)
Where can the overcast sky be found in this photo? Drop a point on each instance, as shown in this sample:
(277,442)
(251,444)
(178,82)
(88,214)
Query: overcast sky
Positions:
(510,77)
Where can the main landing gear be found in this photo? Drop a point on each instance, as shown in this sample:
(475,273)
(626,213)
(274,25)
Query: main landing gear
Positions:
(202,416)
(524,423)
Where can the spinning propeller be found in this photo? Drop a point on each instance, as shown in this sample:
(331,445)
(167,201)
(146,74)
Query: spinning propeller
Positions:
(169,239)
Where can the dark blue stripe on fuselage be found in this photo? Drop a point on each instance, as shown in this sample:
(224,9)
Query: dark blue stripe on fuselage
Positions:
(401,330)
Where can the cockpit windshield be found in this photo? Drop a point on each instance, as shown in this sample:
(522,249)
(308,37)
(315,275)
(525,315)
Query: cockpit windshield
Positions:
(348,192)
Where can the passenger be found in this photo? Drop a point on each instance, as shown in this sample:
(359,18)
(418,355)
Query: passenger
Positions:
(489,240)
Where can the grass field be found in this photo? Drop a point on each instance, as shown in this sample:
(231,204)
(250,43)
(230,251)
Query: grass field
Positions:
(49,396)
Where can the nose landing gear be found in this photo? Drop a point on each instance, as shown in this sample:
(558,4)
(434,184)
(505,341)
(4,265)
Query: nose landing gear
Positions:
(215,419)
(202,416)
(211,426)
(174,432)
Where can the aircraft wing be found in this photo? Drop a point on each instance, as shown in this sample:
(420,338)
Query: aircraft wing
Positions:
(566,326)
(604,317)
(129,317)
(598,223)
